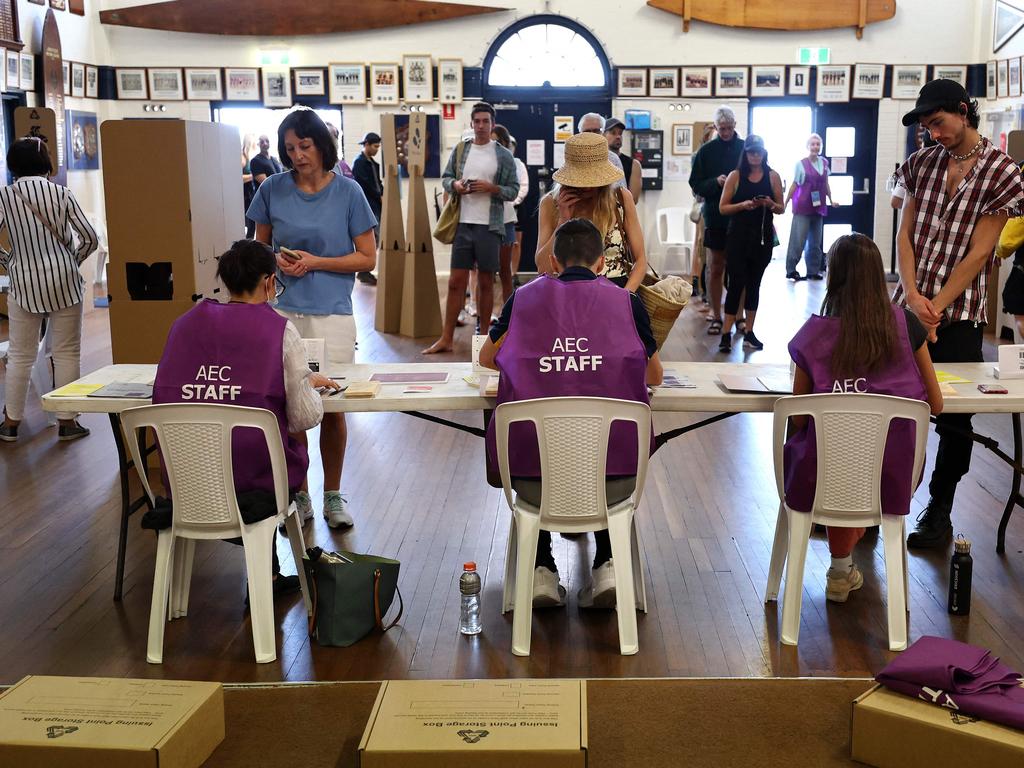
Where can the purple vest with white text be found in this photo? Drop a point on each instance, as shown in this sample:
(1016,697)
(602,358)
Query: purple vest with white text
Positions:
(570,339)
(803,198)
(231,354)
(811,349)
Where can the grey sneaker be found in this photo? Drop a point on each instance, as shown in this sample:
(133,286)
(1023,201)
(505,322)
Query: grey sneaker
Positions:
(303,509)
(839,585)
(335,510)
(71,432)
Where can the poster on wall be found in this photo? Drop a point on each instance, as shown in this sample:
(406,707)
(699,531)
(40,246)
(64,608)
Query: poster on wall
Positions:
(1007,21)
(833,83)
(203,84)
(990,80)
(1013,76)
(696,81)
(449,81)
(83,153)
(66,68)
(908,80)
(28,71)
(346,83)
(958,74)
(682,139)
(432,146)
(383,83)
(730,81)
(417,74)
(799,81)
(1001,89)
(563,128)
(768,81)
(13,70)
(242,84)
(277,88)
(77,79)
(868,81)
(92,82)
(665,82)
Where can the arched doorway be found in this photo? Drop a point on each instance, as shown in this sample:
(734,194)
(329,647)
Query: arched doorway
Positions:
(541,70)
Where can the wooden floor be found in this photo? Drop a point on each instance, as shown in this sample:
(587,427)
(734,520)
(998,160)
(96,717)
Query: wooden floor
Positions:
(418,493)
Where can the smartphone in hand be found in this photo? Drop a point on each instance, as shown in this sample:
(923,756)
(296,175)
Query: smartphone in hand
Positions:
(289,254)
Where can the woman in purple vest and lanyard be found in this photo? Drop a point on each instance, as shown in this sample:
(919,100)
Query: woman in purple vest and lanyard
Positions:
(860,343)
(809,193)
(574,335)
(245,353)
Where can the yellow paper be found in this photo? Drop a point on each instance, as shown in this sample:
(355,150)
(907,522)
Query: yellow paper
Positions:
(75,390)
(945,377)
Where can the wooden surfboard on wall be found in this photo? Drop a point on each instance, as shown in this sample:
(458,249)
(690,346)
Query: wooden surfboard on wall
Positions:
(273,17)
(781,14)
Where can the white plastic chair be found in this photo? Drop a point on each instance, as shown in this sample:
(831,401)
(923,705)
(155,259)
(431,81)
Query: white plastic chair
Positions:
(676,233)
(572,437)
(195,443)
(851,432)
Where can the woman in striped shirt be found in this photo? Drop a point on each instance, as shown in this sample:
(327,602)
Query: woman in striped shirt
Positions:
(43,262)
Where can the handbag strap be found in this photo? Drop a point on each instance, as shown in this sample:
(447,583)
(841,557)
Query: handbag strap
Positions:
(311,584)
(376,603)
(35,212)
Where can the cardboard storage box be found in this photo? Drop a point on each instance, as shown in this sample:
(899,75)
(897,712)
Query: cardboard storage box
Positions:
(474,723)
(891,730)
(80,722)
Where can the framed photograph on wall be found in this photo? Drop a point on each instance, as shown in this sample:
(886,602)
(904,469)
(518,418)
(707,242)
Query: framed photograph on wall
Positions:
(28,71)
(166,84)
(833,82)
(131,83)
(1007,20)
(346,83)
(309,82)
(203,84)
(92,82)
(696,81)
(956,73)
(908,80)
(868,81)
(418,78)
(664,81)
(241,84)
(383,83)
(768,81)
(682,139)
(59,5)
(990,80)
(81,141)
(632,82)
(77,80)
(731,81)
(13,69)
(449,81)
(277,88)
(799,81)
(1001,89)
(66,68)
(1012,76)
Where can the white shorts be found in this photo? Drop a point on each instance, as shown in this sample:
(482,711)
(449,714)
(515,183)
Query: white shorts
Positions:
(337,331)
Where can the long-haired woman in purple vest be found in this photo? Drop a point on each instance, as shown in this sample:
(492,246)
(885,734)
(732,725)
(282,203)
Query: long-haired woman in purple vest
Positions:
(859,343)
(811,197)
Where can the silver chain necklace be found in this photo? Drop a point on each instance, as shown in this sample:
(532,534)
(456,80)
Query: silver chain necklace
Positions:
(961,158)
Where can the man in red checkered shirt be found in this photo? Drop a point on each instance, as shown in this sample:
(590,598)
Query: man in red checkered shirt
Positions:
(959,195)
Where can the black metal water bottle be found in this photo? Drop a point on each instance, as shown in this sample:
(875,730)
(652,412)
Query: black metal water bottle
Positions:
(960,567)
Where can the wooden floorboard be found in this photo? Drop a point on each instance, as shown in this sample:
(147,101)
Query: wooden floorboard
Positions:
(418,493)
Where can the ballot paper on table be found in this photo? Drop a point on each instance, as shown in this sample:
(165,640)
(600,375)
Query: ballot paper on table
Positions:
(130,390)
(672,380)
(736,382)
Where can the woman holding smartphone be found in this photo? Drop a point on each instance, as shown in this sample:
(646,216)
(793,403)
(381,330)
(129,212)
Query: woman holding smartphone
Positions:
(752,195)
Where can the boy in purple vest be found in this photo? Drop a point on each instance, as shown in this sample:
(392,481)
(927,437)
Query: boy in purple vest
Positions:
(574,335)
(245,353)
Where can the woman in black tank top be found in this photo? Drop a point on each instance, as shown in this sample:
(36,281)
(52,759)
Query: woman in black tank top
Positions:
(751,197)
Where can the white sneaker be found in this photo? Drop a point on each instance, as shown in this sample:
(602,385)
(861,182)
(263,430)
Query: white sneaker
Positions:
(334,510)
(600,593)
(303,509)
(547,591)
(838,585)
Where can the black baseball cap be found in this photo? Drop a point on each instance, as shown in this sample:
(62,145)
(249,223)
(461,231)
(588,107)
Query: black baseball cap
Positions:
(613,122)
(753,143)
(933,96)
(371,138)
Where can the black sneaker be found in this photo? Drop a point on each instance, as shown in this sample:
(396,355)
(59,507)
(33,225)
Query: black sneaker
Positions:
(725,345)
(795,277)
(817,276)
(71,432)
(366,278)
(933,528)
(8,433)
(750,340)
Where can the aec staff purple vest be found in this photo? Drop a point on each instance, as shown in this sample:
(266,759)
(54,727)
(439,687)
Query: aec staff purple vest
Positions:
(231,354)
(803,203)
(811,349)
(570,339)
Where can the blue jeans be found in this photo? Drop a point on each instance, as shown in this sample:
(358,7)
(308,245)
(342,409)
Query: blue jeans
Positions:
(806,229)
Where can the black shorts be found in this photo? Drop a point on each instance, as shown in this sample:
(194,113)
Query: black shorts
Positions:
(476,246)
(714,238)
(1013,291)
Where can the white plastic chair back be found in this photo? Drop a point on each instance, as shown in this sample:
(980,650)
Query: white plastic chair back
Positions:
(195,444)
(851,431)
(672,229)
(572,438)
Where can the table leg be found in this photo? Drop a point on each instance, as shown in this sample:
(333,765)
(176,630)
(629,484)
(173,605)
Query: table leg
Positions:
(1015,497)
(123,468)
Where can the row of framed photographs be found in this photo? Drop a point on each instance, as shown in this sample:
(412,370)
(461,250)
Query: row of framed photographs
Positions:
(81,80)
(834,81)
(1003,78)
(19,71)
(342,83)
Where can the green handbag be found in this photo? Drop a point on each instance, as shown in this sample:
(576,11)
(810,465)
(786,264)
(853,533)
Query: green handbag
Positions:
(351,593)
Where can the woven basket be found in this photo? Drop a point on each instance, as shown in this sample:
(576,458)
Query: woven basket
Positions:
(663,311)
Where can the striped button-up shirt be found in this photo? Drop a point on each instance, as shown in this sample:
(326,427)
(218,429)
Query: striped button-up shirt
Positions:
(942,228)
(43,268)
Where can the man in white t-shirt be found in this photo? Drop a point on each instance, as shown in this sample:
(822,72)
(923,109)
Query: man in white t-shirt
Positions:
(484,173)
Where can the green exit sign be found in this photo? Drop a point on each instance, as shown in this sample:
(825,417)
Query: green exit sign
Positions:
(814,55)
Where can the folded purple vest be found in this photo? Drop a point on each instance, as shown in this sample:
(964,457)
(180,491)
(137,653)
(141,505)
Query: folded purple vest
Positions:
(960,677)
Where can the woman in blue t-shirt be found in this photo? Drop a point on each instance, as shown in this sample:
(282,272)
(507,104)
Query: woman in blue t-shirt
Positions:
(322,228)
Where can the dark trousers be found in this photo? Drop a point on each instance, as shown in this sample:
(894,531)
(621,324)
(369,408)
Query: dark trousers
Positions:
(959,342)
(747,254)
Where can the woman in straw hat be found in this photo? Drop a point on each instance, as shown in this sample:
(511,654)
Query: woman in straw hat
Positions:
(585,190)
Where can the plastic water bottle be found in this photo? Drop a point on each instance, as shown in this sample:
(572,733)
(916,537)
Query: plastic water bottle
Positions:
(960,569)
(469,586)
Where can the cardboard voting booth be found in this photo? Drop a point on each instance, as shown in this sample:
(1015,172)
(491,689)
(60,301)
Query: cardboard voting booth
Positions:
(421,309)
(391,253)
